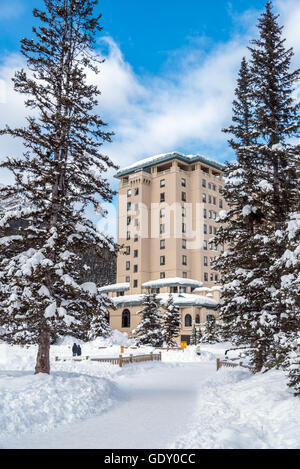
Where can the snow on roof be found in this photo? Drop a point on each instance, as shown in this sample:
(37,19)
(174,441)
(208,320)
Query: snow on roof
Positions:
(180,299)
(200,289)
(115,287)
(146,162)
(175,281)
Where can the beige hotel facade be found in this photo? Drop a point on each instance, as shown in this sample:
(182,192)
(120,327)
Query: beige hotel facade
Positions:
(167,211)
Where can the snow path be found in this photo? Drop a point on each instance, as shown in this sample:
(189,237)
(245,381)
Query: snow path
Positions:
(156,408)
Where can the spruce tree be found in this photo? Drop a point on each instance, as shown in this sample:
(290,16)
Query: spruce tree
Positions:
(150,329)
(171,322)
(277,121)
(253,313)
(210,335)
(61,173)
(241,262)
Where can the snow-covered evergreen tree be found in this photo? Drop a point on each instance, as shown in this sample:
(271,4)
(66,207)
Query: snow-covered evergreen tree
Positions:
(210,335)
(150,329)
(60,174)
(171,322)
(261,190)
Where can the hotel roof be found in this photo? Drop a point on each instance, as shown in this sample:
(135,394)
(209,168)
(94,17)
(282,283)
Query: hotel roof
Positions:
(153,160)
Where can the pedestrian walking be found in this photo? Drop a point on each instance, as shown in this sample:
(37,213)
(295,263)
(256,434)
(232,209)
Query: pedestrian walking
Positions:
(74,350)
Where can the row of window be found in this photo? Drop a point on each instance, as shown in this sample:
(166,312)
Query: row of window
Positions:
(211,186)
(136,192)
(162,183)
(212,277)
(211,200)
(187,319)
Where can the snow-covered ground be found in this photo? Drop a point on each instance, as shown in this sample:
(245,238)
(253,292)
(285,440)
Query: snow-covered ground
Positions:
(181,402)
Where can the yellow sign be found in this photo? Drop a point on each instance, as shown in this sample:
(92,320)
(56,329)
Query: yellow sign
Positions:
(183,344)
(122,349)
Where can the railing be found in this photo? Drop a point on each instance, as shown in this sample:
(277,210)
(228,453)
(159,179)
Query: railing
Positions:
(120,360)
(225,363)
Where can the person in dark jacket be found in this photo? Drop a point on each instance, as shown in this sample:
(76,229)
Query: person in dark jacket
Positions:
(74,350)
(78,350)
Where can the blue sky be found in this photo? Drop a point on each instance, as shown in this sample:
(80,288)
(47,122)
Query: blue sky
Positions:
(169,76)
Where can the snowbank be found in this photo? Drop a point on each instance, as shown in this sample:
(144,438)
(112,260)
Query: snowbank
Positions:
(34,403)
(238,410)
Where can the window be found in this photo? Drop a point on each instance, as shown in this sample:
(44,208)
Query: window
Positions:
(197,319)
(126,318)
(128,206)
(205,277)
(128,235)
(203,182)
(209,199)
(135,253)
(155,290)
(135,268)
(120,293)
(162,244)
(209,214)
(204,198)
(220,203)
(220,189)
(205,261)
(209,185)
(162,183)
(162,275)
(205,229)
(204,213)
(135,284)
(162,228)
(128,220)
(210,245)
(173,289)
(182,289)
(188,320)
(214,201)
(211,277)
(136,238)
(136,207)
(127,279)
(210,317)
(183,196)
(129,193)
(162,213)
(210,229)
(215,230)
(183,228)
(222,248)
(205,245)
(216,278)
(136,192)
(183,182)
(184,244)
(213,187)
(127,250)
(128,265)
(162,260)
(136,222)
(184,274)
(184,260)
(183,211)
(162,196)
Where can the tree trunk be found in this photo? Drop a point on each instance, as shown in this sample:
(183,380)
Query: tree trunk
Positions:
(42,359)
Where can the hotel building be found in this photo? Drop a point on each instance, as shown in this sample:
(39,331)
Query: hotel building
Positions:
(168,206)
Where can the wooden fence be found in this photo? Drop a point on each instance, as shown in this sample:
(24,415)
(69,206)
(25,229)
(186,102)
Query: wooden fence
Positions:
(228,364)
(120,360)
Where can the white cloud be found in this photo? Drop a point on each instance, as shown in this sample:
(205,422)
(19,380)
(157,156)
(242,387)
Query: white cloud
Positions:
(11,9)
(183,109)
